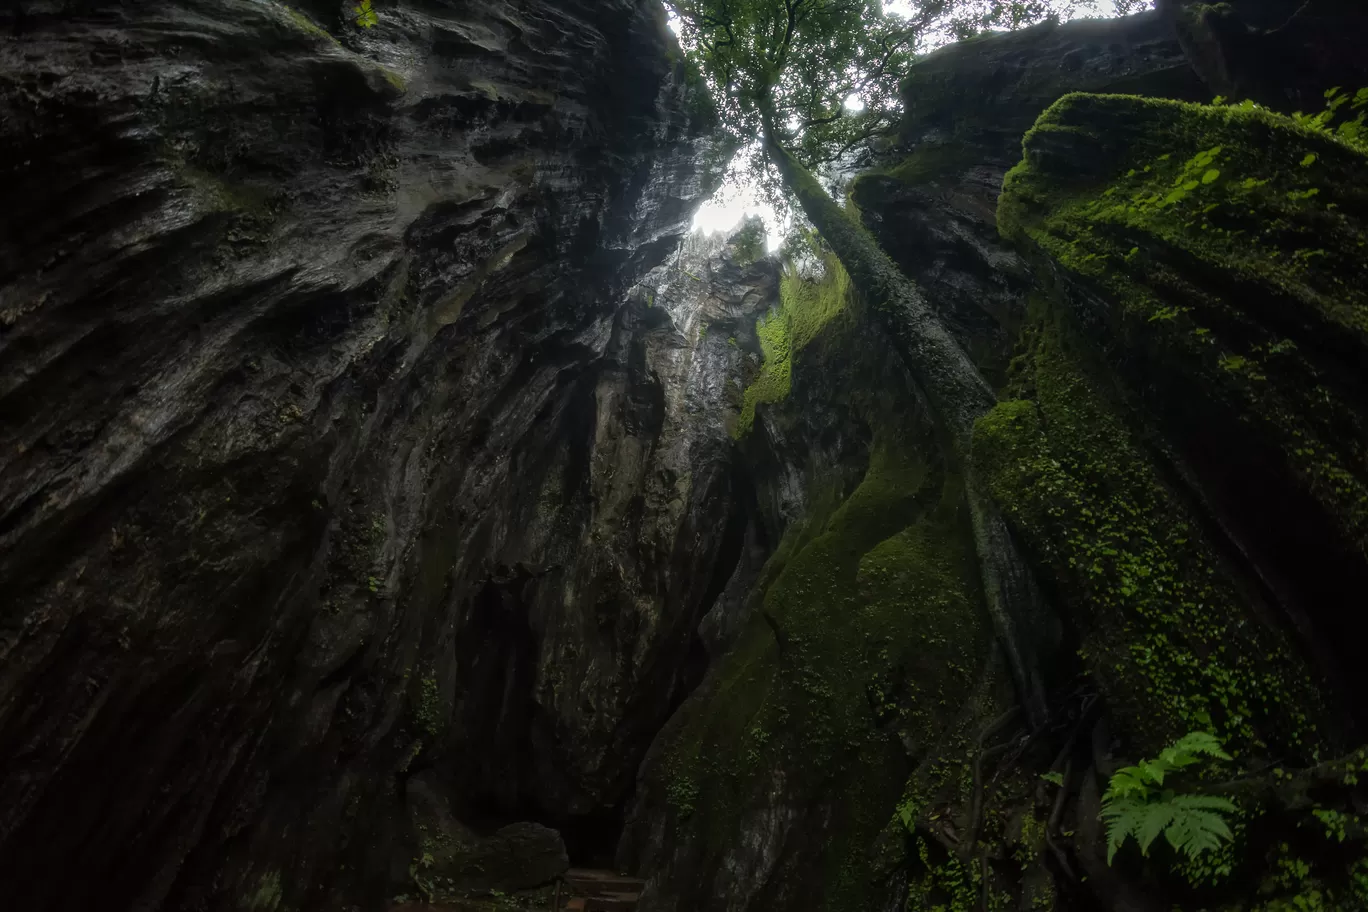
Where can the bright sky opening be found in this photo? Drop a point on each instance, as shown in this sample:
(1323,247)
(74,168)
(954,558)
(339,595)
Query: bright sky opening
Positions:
(733,201)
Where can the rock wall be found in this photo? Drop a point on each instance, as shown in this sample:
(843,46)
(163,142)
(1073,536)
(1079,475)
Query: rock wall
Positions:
(1178,397)
(774,786)
(335,445)
(391,501)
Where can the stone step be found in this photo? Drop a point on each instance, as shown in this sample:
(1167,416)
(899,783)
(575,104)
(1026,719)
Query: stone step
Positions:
(619,903)
(594,876)
(590,890)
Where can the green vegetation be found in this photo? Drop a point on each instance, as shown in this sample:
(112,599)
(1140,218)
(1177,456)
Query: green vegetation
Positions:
(748,244)
(1186,233)
(1271,205)
(428,709)
(867,625)
(1164,627)
(805,307)
(364,16)
(1136,804)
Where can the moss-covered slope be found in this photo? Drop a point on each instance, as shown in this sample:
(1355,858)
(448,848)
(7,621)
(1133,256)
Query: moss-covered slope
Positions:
(1218,258)
(1181,450)
(776,786)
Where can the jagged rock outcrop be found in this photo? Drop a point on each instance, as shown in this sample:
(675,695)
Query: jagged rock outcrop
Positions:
(1181,449)
(335,448)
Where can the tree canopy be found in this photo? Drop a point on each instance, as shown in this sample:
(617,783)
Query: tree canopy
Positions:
(826,73)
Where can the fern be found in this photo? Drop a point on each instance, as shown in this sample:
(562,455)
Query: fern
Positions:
(1135,804)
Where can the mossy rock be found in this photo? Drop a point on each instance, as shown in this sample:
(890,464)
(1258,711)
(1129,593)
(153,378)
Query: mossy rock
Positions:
(1163,623)
(806,306)
(450,859)
(1216,259)
(867,639)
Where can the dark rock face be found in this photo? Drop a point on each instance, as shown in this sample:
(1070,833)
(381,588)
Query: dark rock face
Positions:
(1281,53)
(329,452)
(933,206)
(518,856)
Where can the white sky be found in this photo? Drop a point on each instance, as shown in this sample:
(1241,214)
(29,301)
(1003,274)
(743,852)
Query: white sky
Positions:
(732,202)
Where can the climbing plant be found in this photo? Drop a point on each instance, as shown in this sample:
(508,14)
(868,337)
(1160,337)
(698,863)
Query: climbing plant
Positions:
(364,15)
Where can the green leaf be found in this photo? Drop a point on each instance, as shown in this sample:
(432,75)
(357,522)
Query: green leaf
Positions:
(1200,743)
(1193,832)
(1155,820)
(366,17)
(1056,778)
(1309,160)
(1210,175)
(1123,818)
(1127,782)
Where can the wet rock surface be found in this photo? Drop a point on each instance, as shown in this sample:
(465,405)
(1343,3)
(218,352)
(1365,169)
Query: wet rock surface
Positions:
(376,516)
(329,435)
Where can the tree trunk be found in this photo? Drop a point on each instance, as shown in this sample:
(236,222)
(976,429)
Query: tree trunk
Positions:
(958,395)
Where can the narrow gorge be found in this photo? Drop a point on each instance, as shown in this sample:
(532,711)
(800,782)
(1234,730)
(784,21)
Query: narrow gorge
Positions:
(403,507)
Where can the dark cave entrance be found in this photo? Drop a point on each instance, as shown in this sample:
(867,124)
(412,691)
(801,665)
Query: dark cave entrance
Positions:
(509,774)
(591,839)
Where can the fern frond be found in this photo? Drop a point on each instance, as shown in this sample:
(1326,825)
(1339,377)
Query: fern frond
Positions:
(1123,817)
(1193,832)
(1200,743)
(1204,803)
(1156,770)
(1133,806)
(1158,818)
(1127,782)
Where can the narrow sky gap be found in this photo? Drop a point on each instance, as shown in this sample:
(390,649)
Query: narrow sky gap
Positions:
(733,201)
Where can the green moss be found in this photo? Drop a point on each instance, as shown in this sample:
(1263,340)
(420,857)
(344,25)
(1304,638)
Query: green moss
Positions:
(1232,241)
(427,710)
(805,308)
(267,895)
(305,24)
(1165,628)
(927,162)
(869,626)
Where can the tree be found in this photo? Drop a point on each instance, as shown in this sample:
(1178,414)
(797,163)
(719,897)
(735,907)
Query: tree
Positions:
(785,71)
